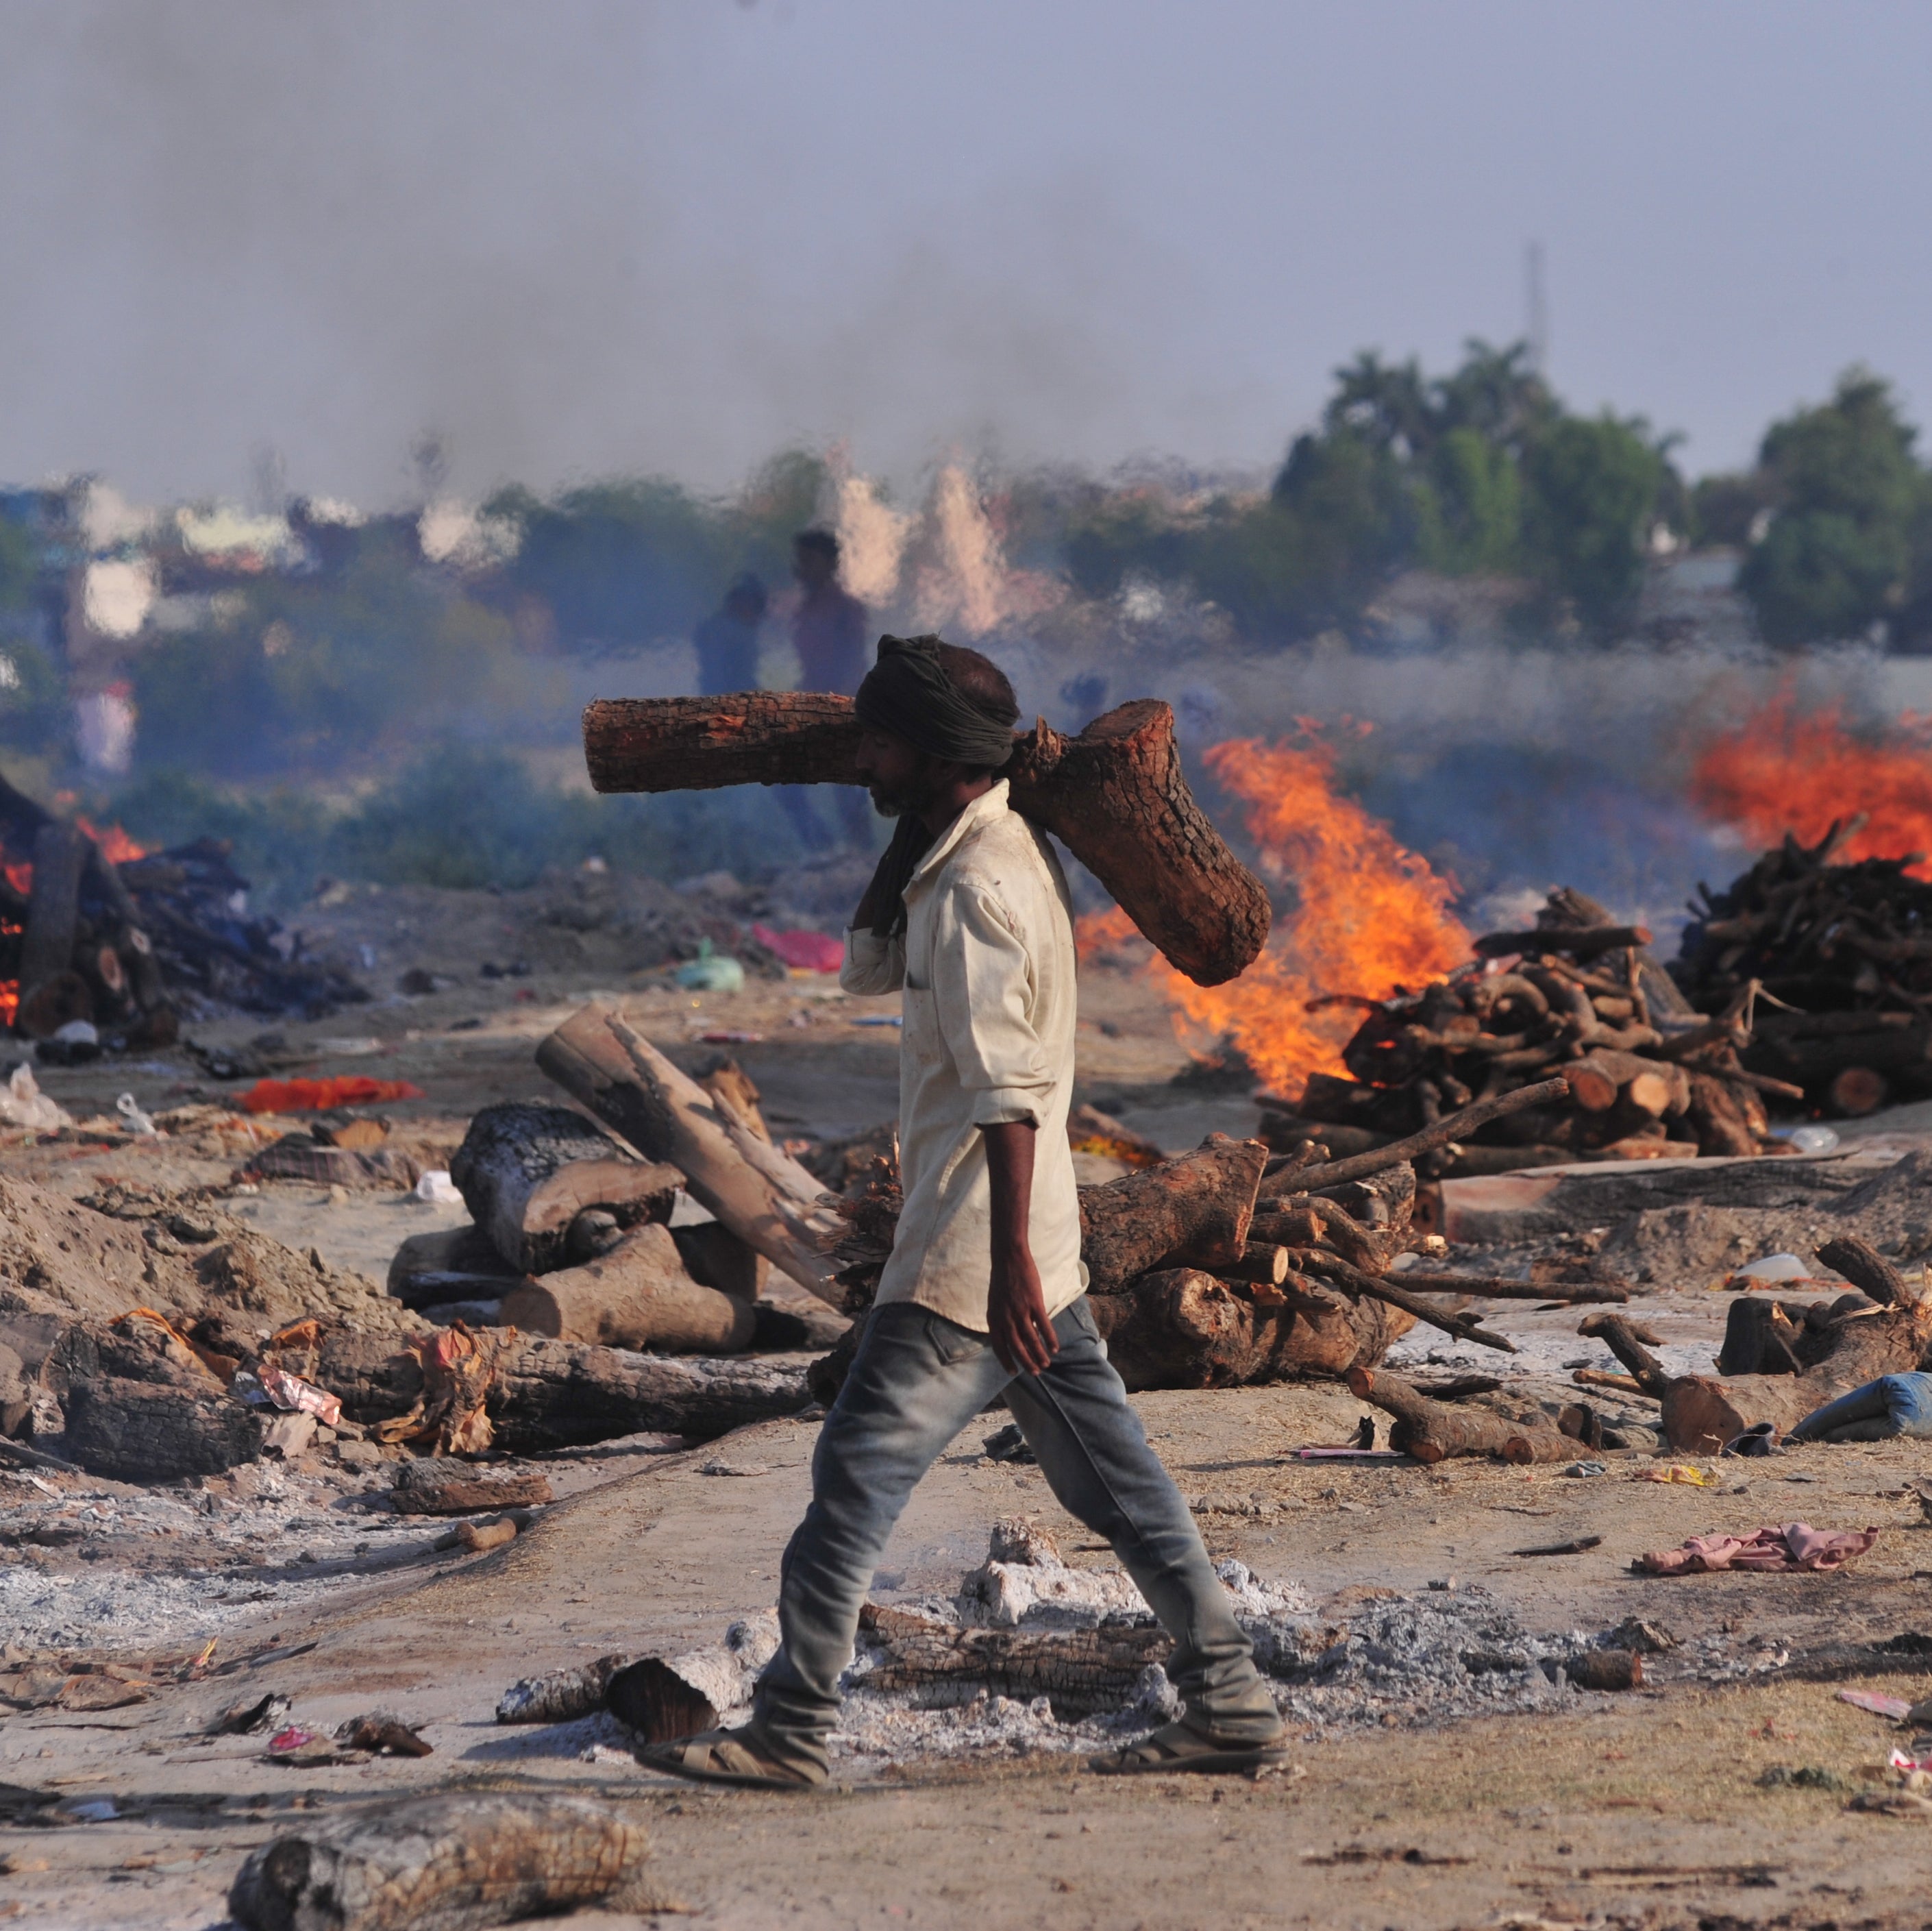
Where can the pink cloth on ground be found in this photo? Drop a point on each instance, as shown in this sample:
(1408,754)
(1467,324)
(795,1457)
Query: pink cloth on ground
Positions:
(1796,1545)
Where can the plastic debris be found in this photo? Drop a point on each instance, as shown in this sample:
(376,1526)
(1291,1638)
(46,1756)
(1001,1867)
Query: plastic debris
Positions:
(139,1124)
(1771,1270)
(802,951)
(877,1019)
(710,971)
(1896,1707)
(1680,1472)
(291,1392)
(437,1188)
(1585,1468)
(23,1104)
(1813,1139)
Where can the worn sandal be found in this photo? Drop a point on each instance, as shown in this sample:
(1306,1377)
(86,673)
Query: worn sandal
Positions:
(1177,1748)
(726,1756)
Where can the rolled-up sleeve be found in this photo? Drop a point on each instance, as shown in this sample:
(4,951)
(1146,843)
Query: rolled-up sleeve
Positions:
(982,987)
(871,964)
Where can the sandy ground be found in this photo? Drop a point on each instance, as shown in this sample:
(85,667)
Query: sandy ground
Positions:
(1639,1809)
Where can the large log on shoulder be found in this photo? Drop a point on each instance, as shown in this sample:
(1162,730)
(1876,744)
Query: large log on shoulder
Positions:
(1192,1211)
(759,1192)
(1115,795)
(526,1172)
(637,1296)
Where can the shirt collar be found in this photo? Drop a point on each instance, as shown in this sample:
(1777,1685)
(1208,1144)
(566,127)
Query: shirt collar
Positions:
(989,805)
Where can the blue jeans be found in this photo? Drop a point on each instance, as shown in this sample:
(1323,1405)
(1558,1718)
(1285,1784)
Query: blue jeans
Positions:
(1893,1404)
(917,1380)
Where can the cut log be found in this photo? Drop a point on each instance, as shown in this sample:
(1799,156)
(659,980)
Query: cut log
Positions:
(431,1270)
(526,1172)
(1454,1127)
(714,1256)
(1183,1328)
(763,1195)
(1115,795)
(1579,942)
(1488,1287)
(445,1487)
(149,1431)
(1868,1270)
(1719,1119)
(1463,1326)
(1432,1430)
(448,1863)
(53,915)
(660,1699)
(1193,1211)
(1082,1671)
(554,1394)
(637,1296)
(1262,1261)
(1703,1412)
(146,987)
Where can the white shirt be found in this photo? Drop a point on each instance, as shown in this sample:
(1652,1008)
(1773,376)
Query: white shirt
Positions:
(986,967)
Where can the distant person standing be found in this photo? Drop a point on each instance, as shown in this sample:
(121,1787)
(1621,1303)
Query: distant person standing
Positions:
(727,640)
(828,631)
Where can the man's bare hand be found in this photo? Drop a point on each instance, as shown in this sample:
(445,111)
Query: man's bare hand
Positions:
(1016,1319)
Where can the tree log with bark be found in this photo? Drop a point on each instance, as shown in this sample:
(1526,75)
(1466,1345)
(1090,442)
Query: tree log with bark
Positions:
(556,1394)
(761,1193)
(1702,1413)
(459,1861)
(1115,795)
(637,1296)
(1082,1671)
(1184,1329)
(1433,1431)
(149,1431)
(1194,1211)
(526,1172)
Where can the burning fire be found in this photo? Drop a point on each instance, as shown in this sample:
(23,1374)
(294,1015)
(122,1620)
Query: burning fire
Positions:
(1780,771)
(1371,916)
(116,847)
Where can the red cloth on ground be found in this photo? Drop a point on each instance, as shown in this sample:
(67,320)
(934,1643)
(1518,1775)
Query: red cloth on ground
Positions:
(1796,1545)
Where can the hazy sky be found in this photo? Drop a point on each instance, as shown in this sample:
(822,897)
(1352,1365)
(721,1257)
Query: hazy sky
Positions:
(582,236)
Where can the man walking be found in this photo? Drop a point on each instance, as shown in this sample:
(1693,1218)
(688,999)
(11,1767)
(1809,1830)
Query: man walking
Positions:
(828,631)
(984,1292)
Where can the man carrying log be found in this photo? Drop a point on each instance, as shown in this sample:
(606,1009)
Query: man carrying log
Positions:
(985,1292)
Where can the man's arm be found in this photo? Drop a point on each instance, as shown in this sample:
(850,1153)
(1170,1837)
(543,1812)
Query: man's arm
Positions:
(1016,1319)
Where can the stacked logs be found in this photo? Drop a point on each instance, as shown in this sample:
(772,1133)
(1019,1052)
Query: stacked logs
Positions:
(1577,995)
(1223,1268)
(571,1235)
(1846,952)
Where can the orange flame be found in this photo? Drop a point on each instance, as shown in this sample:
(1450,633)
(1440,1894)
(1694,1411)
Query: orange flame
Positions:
(116,847)
(1372,915)
(1781,772)
(10,1001)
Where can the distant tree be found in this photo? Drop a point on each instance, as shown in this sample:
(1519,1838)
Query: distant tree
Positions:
(18,566)
(1469,506)
(1592,487)
(1846,498)
(1354,514)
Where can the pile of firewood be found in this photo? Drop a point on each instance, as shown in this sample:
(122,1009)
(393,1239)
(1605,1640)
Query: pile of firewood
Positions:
(1577,996)
(130,948)
(571,1235)
(1225,1268)
(1843,954)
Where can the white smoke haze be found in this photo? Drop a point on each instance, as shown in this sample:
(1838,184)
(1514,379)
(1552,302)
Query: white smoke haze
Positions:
(592,237)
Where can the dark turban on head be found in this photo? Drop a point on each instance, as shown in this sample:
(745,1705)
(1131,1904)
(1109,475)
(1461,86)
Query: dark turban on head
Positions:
(908,694)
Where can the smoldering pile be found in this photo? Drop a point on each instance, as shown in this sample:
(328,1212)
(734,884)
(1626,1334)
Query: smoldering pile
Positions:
(1029,1654)
(1577,996)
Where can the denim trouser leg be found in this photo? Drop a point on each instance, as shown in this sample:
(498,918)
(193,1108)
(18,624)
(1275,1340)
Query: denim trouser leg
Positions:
(1893,1404)
(917,1381)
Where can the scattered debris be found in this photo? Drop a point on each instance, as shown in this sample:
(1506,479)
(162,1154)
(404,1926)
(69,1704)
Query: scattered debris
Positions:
(1796,1546)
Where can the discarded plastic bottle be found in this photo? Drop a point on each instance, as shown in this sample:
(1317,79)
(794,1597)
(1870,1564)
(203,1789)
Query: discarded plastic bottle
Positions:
(1811,1139)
